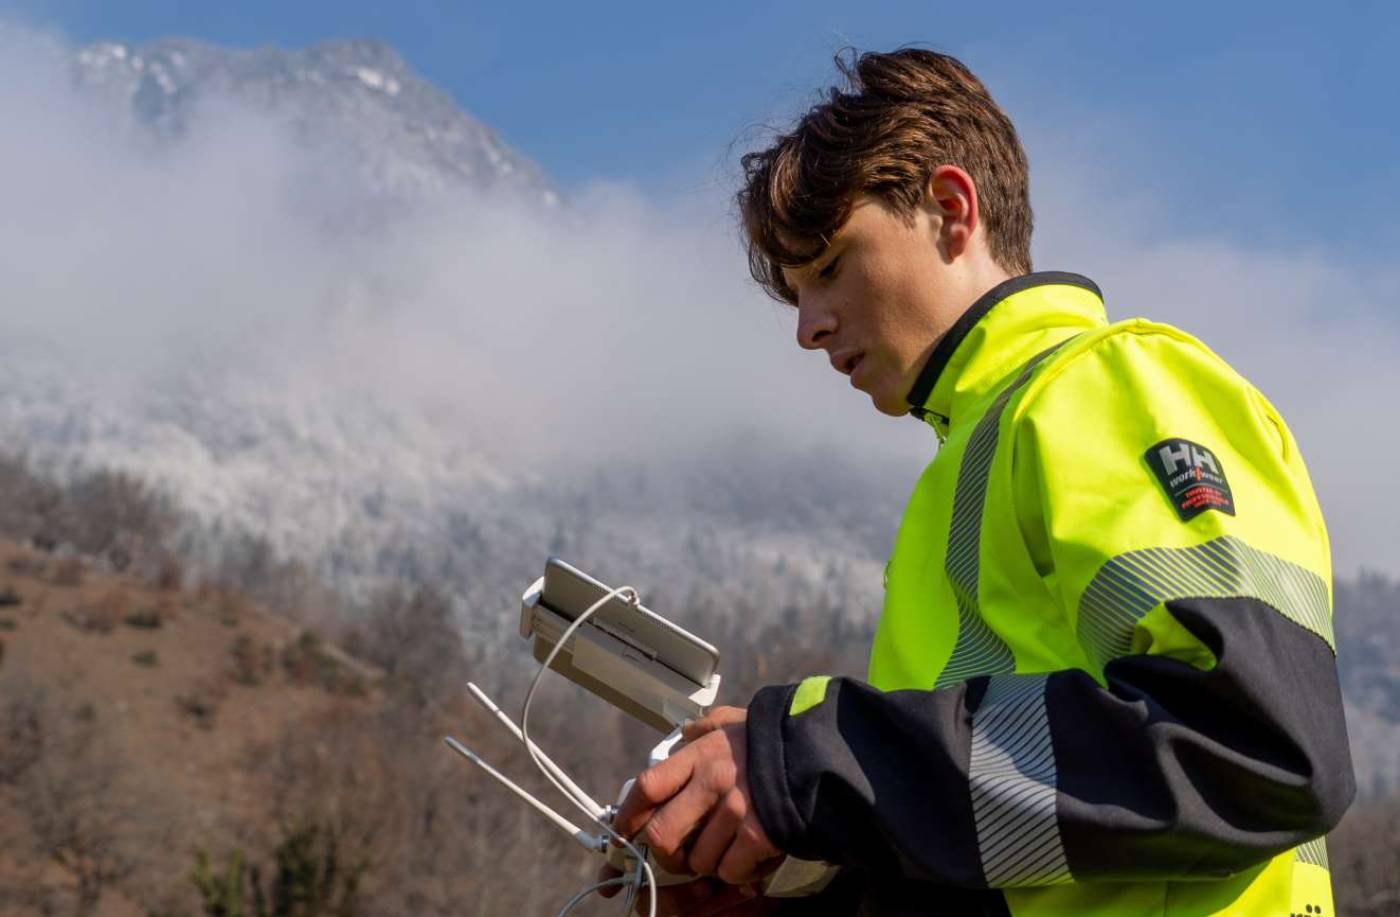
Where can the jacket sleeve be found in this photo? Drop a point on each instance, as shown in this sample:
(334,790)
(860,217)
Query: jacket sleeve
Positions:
(1203,732)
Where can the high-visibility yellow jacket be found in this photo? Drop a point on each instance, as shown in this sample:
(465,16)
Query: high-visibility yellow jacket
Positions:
(1104,679)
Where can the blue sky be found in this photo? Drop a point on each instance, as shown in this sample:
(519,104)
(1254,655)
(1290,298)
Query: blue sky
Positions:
(1271,122)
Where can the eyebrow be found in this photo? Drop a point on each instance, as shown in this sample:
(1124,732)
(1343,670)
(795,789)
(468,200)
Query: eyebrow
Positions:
(811,265)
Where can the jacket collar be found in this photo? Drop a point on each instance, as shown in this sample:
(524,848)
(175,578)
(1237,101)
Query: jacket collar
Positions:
(998,333)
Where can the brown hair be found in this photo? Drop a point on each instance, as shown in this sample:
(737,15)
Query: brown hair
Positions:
(900,115)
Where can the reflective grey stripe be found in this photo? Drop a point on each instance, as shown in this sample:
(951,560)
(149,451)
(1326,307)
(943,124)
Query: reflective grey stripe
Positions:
(1012,777)
(978,650)
(1130,585)
(1314,852)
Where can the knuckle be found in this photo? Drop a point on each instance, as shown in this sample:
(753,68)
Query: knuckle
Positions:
(675,864)
(656,837)
(648,784)
(721,774)
(754,834)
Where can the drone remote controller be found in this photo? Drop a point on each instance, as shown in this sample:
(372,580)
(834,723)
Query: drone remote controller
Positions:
(605,641)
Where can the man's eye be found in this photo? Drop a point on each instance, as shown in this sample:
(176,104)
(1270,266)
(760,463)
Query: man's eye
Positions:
(829,271)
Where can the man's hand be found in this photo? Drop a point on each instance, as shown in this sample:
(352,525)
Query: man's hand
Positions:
(694,808)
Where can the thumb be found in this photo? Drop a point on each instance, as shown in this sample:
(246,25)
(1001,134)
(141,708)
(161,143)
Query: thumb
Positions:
(717,718)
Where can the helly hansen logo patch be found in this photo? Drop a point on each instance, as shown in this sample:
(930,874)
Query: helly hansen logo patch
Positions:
(1192,477)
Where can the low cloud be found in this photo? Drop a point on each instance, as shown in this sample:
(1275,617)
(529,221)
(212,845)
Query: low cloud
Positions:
(239,267)
(568,330)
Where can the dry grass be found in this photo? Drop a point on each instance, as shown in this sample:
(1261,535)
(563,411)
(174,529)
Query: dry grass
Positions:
(180,717)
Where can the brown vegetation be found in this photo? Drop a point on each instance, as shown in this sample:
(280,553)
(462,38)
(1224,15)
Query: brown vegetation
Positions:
(182,742)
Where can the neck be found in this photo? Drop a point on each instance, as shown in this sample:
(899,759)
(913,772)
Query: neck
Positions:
(979,277)
(987,337)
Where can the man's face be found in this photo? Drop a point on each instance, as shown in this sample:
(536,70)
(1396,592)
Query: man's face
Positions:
(877,299)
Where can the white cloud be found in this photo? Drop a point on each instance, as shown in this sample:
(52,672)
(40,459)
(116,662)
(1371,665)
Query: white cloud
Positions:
(614,326)
(234,273)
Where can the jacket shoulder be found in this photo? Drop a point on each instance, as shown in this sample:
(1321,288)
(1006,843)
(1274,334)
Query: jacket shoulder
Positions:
(1092,427)
(1146,362)
(1134,346)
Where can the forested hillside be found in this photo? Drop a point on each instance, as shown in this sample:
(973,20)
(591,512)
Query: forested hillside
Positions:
(174,735)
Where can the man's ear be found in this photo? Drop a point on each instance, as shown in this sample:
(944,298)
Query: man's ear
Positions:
(951,195)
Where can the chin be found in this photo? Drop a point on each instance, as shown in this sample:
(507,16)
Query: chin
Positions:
(890,407)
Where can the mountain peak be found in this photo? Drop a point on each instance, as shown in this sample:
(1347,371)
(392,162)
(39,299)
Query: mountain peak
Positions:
(409,139)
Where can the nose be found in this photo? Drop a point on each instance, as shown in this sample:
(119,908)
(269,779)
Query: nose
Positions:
(814,323)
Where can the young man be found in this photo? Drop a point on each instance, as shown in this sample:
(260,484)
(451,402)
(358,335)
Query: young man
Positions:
(1104,681)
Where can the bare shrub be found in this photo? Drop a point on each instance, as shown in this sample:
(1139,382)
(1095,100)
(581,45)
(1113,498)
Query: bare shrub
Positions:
(115,516)
(307,661)
(26,500)
(248,565)
(27,565)
(412,636)
(148,618)
(110,516)
(330,770)
(23,705)
(201,702)
(67,571)
(169,575)
(252,662)
(99,618)
(231,608)
(82,813)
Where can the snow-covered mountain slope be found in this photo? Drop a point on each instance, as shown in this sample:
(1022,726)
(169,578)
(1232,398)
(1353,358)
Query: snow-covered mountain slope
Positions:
(445,388)
(408,137)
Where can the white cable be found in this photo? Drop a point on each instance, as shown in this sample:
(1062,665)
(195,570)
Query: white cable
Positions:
(536,755)
(574,901)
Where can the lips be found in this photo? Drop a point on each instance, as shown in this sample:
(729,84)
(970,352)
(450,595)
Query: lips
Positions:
(855,367)
(846,361)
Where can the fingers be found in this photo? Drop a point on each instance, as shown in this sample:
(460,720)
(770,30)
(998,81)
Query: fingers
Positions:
(713,775)
(714,839)
(668,830)
(653,787)
(715,719)
(696,776)
(699,795)
(751,847)
(606,872)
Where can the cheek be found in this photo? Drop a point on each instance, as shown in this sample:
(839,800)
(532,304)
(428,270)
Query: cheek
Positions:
(871,298)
